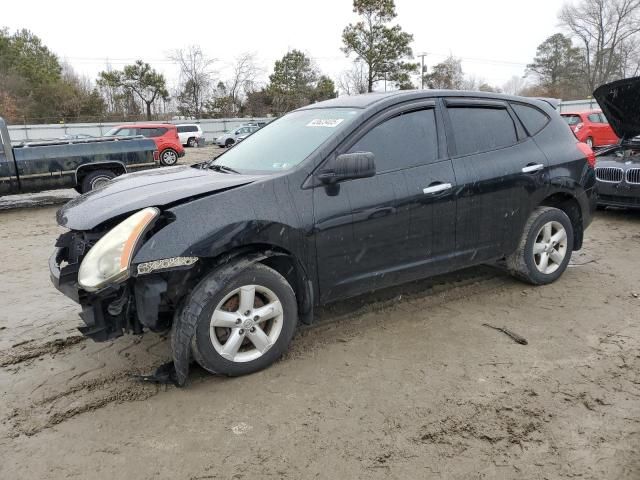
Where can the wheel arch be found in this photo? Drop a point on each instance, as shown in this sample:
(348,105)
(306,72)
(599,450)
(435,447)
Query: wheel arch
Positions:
(282,261)
(568,204)
(83,170)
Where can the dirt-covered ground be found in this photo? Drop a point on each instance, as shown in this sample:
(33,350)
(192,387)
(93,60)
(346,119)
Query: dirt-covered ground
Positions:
(407,384)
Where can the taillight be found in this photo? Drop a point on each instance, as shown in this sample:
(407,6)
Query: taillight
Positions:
(156,155)
(577,128)
(588,153)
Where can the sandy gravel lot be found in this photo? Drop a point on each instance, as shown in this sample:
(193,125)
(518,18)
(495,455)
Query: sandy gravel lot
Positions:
(407,384)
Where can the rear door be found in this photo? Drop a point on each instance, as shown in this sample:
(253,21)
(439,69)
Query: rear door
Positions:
(501,174)
(379,231)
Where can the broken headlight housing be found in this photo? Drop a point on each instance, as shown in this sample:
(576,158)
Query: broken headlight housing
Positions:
(109,259)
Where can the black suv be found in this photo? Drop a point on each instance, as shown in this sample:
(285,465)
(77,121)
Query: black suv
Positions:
(373,191)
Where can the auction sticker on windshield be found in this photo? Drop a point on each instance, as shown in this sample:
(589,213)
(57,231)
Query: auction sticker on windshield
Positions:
(325,122)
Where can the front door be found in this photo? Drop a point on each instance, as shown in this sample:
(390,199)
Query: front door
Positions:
(379,231)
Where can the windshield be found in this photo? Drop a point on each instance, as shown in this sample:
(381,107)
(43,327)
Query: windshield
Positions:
(286,142)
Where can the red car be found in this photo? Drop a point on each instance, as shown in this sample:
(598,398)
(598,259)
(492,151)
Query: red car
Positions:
(164,134)
(591,127)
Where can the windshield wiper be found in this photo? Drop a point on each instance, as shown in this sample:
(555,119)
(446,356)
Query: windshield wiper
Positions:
(222,168)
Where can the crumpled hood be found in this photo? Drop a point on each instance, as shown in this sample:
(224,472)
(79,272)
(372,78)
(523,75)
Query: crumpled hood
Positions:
(620,103)
(148,188)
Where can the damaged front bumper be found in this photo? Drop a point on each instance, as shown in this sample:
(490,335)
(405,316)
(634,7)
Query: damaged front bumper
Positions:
(128,307)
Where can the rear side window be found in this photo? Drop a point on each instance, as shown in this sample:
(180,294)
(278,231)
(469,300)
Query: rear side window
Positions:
(532,118)
(182,129)
(595,118)
(408,140)
(479,129)
(187,128)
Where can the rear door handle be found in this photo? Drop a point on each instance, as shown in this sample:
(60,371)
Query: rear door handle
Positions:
(533,168)
(440,187)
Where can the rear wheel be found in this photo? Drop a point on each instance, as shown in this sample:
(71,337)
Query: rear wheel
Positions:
(168,157)
(545,247)
(96,179)
(246,324)
(589,142)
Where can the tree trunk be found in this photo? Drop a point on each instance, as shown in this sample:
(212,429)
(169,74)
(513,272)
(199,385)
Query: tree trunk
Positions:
(370,82)
(148,110)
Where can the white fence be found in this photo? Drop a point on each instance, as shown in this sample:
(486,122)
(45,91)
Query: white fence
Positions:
(27,133)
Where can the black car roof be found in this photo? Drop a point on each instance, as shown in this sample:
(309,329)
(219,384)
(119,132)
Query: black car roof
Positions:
(380,99)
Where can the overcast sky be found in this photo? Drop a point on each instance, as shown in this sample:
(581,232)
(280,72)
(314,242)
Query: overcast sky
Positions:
(494,38)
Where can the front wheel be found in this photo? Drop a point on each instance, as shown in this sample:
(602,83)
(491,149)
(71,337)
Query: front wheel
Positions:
(545,247)
(192,142)
(168,157)
(229,142)
(246,324)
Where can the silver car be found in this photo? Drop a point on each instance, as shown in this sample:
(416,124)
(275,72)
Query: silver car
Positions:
(227,139)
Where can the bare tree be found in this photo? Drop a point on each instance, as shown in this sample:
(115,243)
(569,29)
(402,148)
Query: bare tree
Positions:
(514,86)
(355,80)
(603,27)
(244,75)
(195,79)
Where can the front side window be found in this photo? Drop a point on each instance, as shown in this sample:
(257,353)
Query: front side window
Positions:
(480,129)
(288,141)
(405,141)
(122,132)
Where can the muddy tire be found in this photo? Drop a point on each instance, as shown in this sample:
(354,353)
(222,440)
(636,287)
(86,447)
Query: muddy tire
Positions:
(545,247)
(96,179)
(245,324)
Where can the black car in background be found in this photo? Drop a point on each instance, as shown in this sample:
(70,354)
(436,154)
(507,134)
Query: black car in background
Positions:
(373,191)
(618,167)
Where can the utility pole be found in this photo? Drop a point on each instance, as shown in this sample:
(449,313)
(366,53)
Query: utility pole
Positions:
(422,55)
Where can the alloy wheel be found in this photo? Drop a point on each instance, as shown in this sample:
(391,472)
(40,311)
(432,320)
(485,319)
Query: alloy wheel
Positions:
(246,323)
(550,247)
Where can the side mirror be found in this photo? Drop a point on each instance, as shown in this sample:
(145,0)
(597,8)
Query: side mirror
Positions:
(349,166)
(237,132)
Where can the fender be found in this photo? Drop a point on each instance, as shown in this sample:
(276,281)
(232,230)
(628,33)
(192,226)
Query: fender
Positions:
(98,166)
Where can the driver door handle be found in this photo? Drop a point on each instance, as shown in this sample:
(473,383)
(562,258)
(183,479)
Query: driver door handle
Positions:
(437,188)
(536,167)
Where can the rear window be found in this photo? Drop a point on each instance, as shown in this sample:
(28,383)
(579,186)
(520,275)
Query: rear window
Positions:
(532,118)
(572,119)
(479,129)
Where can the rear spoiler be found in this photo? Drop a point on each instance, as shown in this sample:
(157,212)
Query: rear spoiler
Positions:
(554,102)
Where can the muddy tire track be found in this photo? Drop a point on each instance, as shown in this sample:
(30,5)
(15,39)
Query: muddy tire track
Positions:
(82,397)
(25,350)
